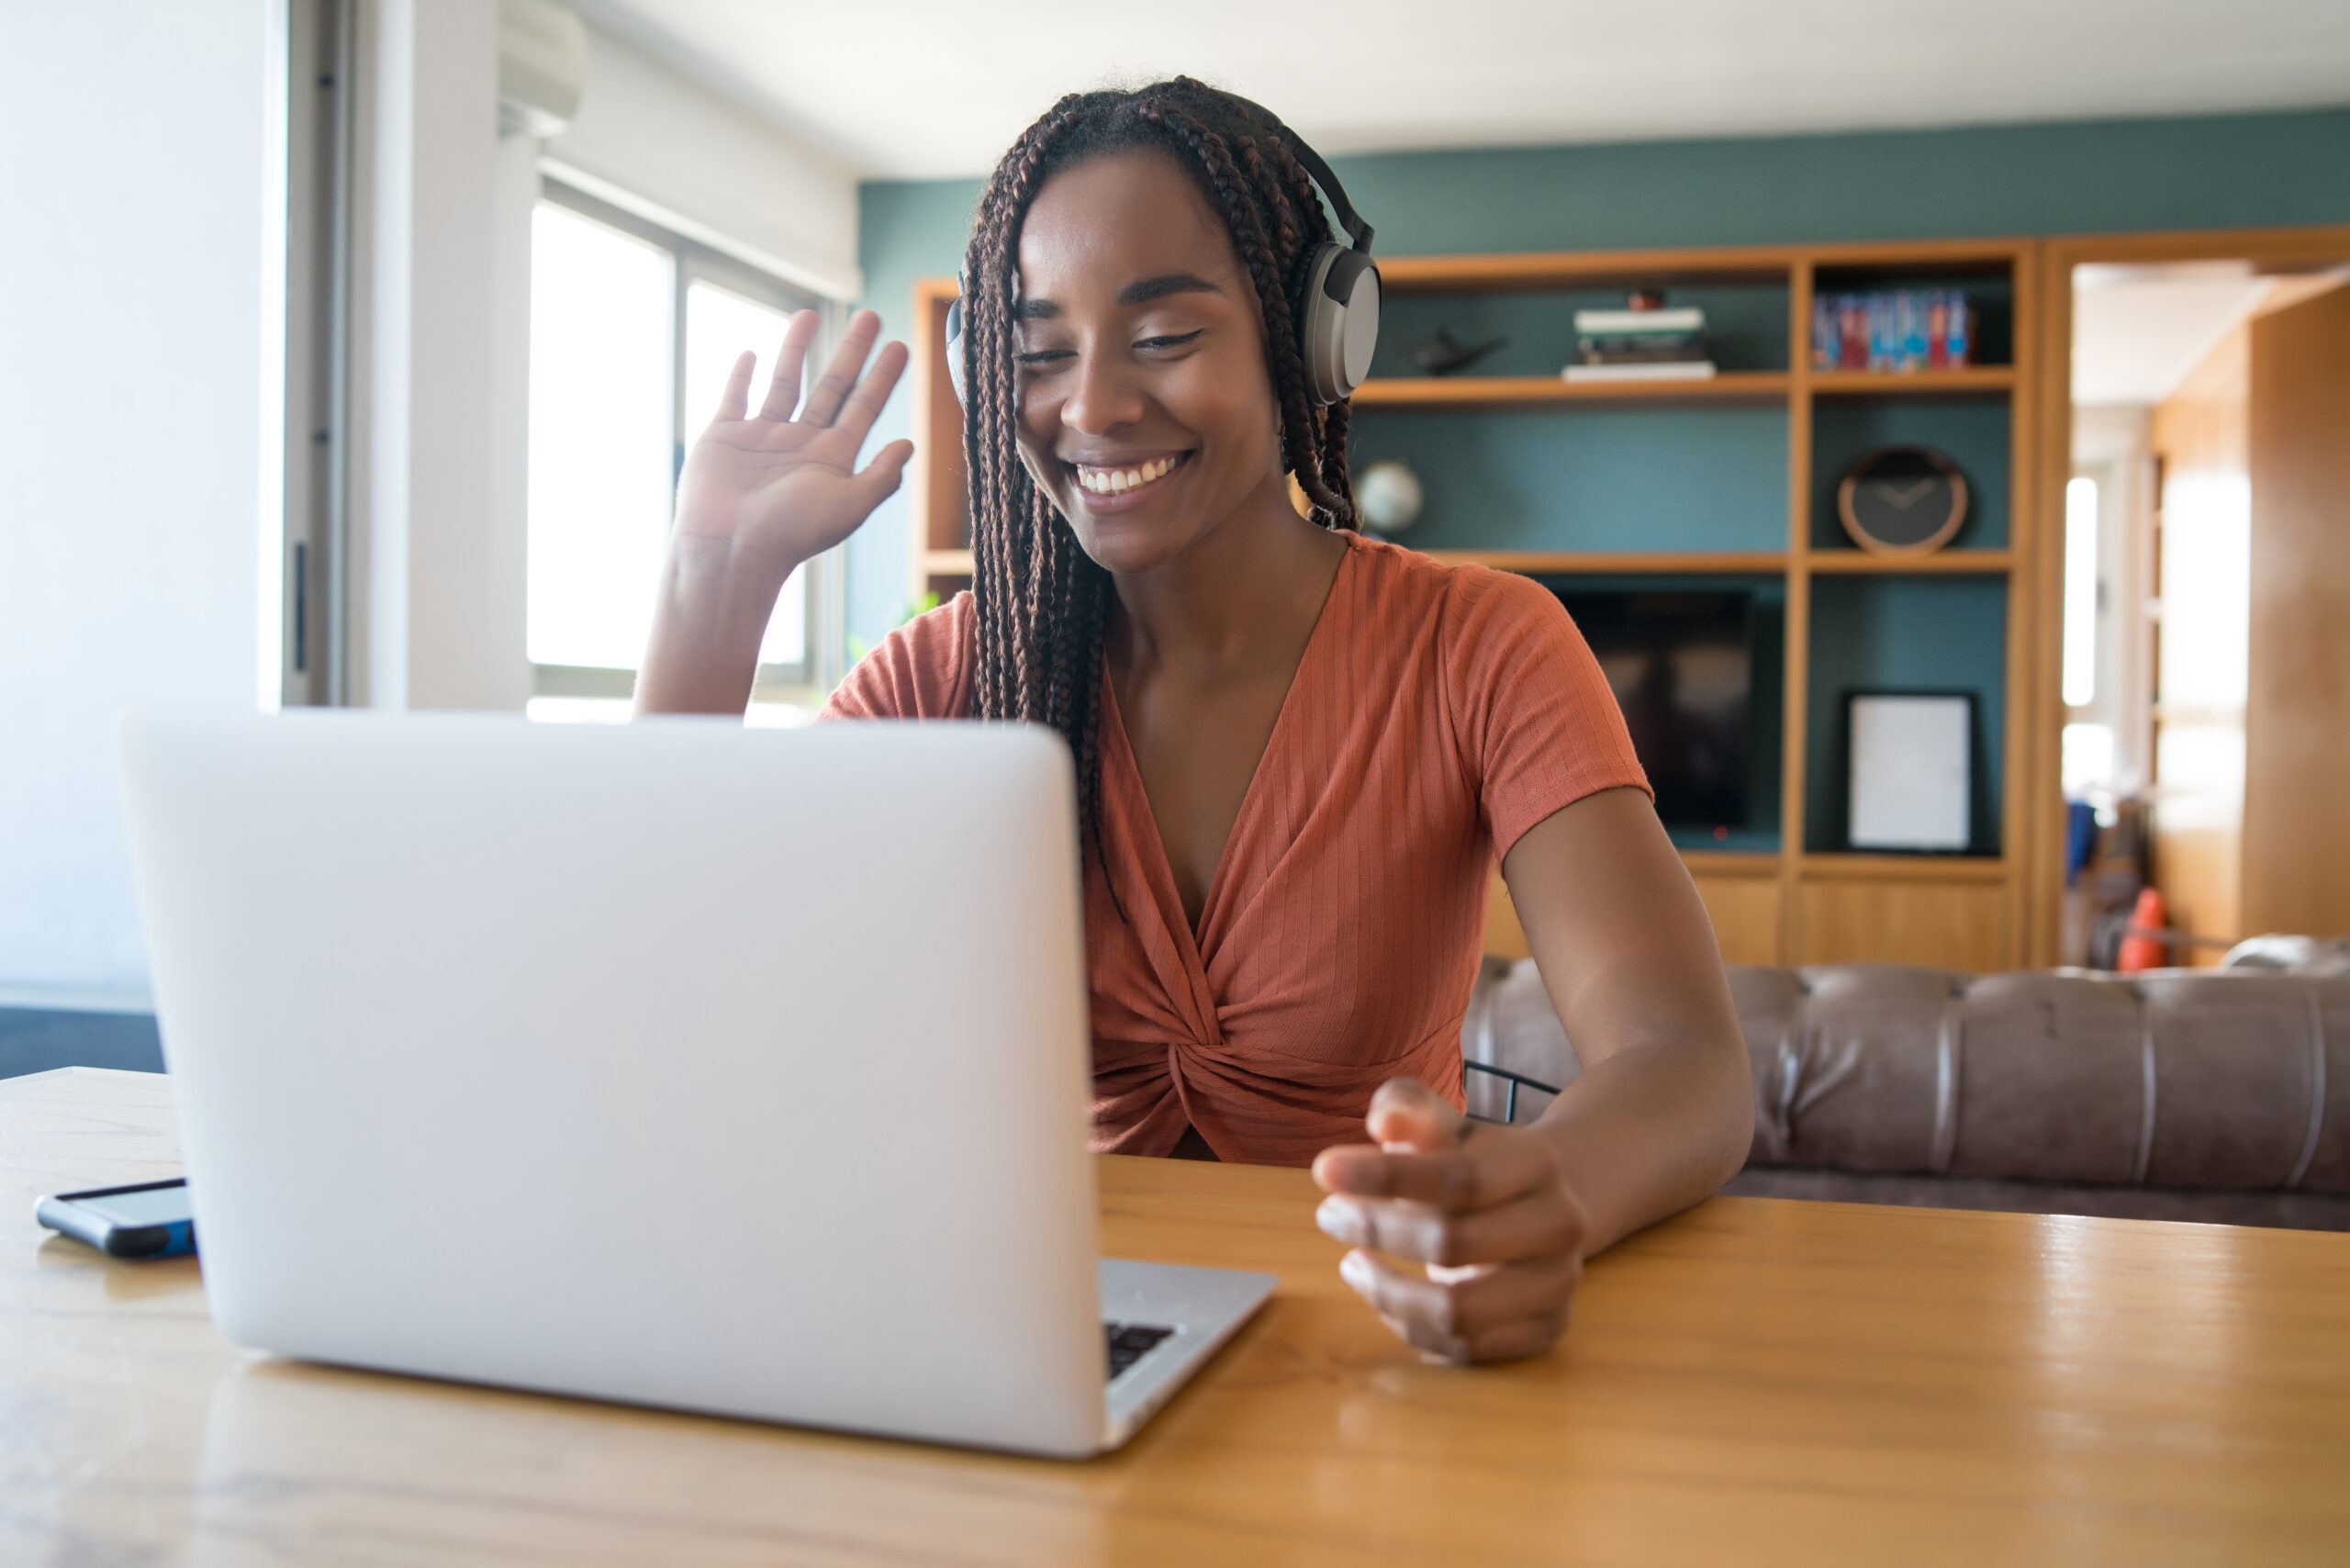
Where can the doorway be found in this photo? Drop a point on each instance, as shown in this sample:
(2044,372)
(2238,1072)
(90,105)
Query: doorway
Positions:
(2202,485)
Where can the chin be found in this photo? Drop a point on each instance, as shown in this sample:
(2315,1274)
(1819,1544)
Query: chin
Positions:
(1126,545)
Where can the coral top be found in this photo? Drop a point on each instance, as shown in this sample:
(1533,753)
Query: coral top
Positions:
(1437,713)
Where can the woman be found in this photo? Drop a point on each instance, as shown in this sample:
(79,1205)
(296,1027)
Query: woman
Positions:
(1298,750)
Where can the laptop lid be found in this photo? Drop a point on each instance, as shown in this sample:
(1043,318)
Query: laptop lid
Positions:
(736,1070)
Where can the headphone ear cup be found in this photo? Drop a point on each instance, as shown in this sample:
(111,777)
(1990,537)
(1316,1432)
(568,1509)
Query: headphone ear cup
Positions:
(954,350)
(1339,323)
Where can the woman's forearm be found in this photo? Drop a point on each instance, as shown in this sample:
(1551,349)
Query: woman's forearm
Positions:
(1665,1109)
(1650,1130)
(708,623)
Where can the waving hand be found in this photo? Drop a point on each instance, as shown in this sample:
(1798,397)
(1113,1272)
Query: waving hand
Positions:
(759,495)
(782,485)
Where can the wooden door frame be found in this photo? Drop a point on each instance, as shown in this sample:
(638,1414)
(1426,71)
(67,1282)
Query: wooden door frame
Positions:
(2040,677)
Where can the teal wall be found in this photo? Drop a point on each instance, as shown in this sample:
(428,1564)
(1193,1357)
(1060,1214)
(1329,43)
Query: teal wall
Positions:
(2240,171)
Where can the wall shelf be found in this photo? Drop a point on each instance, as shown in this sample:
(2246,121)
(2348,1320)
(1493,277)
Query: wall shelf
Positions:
(1974,379)
(1420,393)
(1861,867)
(1860,562)
(1563,563)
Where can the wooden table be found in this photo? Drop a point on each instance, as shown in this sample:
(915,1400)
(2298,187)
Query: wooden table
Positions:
(1756,1382)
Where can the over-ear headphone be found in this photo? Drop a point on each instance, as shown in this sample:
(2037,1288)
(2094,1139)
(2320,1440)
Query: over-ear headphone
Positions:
(1336,316)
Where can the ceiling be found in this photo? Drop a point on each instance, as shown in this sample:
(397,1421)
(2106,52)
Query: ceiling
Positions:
(2137,331)
(921,88)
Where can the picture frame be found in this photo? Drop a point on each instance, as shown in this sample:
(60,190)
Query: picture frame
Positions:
(1909,771)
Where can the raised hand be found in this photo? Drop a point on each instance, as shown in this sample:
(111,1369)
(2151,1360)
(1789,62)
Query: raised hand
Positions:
(782,485)
(759,495)
(1485,1210)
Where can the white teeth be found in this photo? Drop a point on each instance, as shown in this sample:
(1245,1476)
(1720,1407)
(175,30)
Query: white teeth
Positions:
(1110,481)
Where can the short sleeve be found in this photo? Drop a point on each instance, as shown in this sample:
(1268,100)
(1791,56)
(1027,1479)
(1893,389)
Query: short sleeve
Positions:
(922,670)
(1537,727)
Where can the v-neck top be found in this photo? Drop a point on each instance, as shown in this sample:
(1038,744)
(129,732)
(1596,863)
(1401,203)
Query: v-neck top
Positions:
(1437,714)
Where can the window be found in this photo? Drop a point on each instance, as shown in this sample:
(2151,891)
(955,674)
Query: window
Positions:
(2080,592)
(633,330)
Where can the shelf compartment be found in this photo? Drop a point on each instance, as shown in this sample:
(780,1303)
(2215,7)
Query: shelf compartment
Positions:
(1976,432)
(1988,278)
(1654,478)
(1910,632)
(1429,393)
(1746,328)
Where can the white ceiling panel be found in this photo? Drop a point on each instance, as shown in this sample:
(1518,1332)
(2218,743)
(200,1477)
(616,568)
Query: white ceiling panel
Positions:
(921,88)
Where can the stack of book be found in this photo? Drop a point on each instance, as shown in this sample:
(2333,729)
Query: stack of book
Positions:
(1905,330)
(1640,346)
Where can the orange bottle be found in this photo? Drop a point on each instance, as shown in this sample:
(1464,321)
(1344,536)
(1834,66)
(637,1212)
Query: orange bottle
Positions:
(2141,952)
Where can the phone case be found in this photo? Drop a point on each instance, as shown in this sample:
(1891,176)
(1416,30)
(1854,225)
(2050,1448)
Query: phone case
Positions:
(64,1213)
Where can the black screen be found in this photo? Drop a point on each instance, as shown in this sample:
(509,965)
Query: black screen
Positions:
(1682,666)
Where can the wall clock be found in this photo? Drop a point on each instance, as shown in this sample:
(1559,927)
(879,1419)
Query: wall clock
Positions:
(1902,500)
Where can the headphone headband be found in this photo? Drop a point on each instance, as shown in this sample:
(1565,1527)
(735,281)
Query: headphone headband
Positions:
(1337,312)
(1348,219)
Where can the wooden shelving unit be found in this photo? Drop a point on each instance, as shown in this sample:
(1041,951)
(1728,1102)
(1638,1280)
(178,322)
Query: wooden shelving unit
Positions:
(1803,902)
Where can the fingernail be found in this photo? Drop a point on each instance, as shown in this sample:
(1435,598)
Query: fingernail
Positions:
(1355,1271)
(1337,1219)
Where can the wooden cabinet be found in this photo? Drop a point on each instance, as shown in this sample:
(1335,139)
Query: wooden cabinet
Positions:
(1890,915)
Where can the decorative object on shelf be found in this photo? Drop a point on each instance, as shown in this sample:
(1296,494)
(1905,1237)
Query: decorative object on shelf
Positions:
(1441,355)
(1642,342)
(1902,500)
(1898,331)
(1911,772)
(1388,495)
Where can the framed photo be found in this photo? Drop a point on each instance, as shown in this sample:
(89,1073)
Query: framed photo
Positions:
(1912,779)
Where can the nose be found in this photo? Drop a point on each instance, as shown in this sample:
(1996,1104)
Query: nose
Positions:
(1102,396)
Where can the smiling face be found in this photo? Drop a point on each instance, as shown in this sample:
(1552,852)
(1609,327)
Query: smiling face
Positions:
(1145,410)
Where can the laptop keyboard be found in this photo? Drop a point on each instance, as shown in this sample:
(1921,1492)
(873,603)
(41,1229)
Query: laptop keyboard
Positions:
(1130,1342)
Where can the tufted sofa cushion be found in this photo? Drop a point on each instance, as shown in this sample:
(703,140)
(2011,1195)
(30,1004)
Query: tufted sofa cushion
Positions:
(2235,1082)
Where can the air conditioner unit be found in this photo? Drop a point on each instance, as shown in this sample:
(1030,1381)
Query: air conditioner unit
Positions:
(541,66)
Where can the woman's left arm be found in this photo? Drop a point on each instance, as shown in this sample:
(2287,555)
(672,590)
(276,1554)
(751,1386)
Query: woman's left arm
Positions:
(1661,1117)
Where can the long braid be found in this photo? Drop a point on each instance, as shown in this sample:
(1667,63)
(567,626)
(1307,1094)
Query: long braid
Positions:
(1044,605)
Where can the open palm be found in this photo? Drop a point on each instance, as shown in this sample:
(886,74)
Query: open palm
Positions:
(778,488)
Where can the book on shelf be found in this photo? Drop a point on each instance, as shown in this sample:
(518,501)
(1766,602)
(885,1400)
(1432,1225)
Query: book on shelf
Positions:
(1897,330)
(1638,342)
(1651,370)
(1608,323)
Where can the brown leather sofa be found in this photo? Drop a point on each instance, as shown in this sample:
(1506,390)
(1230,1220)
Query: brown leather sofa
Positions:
(2205,1095)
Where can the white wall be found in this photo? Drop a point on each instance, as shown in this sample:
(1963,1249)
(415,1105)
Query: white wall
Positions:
(135,309)
(141,167)
(437,583)
(658,144)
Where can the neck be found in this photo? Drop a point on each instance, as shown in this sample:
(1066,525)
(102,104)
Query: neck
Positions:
(1238,595)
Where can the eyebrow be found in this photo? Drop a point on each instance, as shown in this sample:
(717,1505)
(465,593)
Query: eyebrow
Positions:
(1151,288)
(1143,292)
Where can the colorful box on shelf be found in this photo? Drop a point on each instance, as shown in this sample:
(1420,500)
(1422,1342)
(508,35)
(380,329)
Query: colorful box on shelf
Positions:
(1904,329)
(1639,345)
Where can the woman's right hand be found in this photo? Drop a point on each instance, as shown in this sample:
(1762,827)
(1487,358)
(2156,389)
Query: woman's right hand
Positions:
(759,495)
(779,489)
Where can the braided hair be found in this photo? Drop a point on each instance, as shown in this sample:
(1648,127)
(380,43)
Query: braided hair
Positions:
(1042,604)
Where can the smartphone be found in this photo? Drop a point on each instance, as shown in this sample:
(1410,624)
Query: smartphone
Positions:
(150,1220)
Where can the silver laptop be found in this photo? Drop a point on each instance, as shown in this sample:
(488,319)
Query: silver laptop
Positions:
(739,1072)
